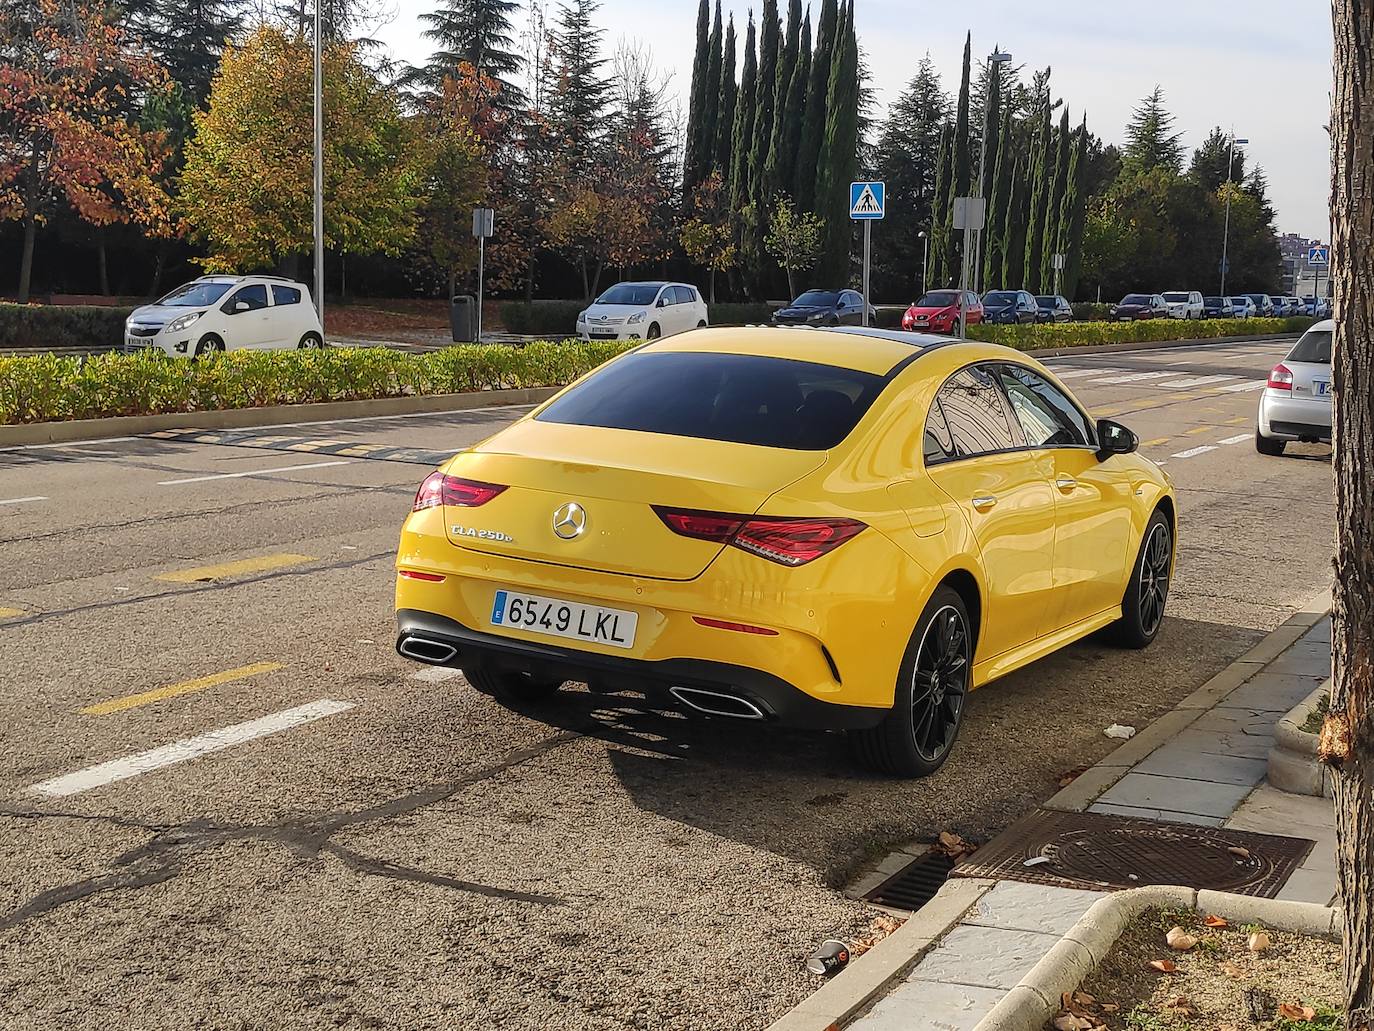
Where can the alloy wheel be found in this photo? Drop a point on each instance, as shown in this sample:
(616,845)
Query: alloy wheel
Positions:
(940,682)
(1155,568)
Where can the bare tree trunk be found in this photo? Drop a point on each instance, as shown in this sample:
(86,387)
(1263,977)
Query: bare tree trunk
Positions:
(713,284)
(1347,737)
(26,259)
(104,268)
(158,266)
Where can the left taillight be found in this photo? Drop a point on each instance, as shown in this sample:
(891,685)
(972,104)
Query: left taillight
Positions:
(786,540)
(441,489)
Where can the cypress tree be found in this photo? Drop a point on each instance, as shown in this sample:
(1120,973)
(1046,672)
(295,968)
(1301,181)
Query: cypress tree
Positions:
(711,99)
(960,175)
(813,121)
(744,124)
(779,175)
(696,110)
(1072,214)
(939,209)
(1041,172)
(992,126)
(839,150)
(764,90)
(1014,227)
(1063,148)
(725,103)
(999,196)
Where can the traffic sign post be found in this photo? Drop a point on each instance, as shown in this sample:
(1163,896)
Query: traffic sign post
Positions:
(970,213)
(1318,257)
(1058,268)
(867,204)
(483,222)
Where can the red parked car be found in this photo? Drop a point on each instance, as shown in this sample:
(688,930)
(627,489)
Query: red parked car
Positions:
(938,312)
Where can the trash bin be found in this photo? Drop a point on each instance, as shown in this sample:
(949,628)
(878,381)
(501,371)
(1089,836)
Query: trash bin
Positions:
(462,317)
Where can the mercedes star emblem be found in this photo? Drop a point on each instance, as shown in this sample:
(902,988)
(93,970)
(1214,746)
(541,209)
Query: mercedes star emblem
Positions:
(569,520)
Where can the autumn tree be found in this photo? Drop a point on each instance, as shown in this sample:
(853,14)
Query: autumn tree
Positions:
(246,190)
(794,240)
(708,236)
(452,179)
(67,84)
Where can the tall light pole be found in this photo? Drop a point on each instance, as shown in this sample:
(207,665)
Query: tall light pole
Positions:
(1226,230)
(924,237)
(995,59)
(319,174)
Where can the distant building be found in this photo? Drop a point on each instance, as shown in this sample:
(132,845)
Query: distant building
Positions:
(1300,278)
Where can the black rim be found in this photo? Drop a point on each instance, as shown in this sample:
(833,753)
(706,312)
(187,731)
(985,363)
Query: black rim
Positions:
(1154,578)
(939,683)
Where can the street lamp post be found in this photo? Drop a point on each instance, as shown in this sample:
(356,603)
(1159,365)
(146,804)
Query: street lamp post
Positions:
(995,58)
(1226,230)
(924,237)
(318,189)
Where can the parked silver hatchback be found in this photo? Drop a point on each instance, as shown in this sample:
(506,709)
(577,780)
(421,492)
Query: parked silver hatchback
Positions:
(1296,402)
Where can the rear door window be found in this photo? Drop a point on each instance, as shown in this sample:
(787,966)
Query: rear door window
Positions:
(285,295)
(976,411)
(744,399)
(1315,346)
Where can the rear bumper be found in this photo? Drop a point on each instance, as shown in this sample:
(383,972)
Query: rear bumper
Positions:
(1289,418)
(774,699)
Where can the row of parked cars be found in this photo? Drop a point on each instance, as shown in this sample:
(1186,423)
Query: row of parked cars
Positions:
(1191,304)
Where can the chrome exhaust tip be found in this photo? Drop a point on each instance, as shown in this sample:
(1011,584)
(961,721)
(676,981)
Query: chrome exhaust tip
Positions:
(422,649)
(715,703)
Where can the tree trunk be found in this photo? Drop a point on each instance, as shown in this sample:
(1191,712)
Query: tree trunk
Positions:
(713,284)
(1347,737)
(104,268)
(529,279)
(158,266)
(791,284)
(26,258)
(596,278)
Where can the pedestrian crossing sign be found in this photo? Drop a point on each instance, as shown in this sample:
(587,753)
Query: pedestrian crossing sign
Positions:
(1318,256)
(866,200)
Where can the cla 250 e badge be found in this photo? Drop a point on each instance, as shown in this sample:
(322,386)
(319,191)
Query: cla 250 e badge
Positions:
(484,535)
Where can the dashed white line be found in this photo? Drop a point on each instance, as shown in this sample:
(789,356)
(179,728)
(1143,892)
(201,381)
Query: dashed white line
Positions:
(436,674)
(1071,373)
(255,472)
(1195,451)
(1235,388)
(1134,377)
(187,748)
(1192,381)
(20,501)
(1239,438)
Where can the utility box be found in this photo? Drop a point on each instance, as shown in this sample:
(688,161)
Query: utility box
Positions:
(462,317)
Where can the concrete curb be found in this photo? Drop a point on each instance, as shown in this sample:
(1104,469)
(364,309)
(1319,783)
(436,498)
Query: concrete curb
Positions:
(845,995)
(1036,998)
(1086,788)
(273,415)
(1293,765)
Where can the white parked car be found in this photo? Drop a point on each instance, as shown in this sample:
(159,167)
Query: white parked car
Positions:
(1185,304)
(1296,401)
(634,311)
(227,313)
(1244,306)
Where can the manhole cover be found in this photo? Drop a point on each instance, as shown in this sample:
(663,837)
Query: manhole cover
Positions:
(1078,850)
(915,884)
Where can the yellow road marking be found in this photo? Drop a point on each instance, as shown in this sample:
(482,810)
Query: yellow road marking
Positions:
(309,445)
(1156,442)
(1237,420)
(10,613)
(133,701)
(1198,429)
(227,569)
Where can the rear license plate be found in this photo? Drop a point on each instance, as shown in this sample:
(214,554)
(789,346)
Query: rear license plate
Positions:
(1321,387)
(569,619)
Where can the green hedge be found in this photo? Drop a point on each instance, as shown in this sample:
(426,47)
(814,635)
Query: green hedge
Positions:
(742,314)
(1085,334)
(61,325)
(1090,311)
(47,387)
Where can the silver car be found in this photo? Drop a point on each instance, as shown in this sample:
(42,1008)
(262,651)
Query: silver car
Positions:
(1296,402)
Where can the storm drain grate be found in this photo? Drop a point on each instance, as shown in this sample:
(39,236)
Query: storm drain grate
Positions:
(1098,850)
(915,884)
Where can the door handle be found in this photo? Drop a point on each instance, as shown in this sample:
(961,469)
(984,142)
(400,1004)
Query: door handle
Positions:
(1066,483)
(983,502)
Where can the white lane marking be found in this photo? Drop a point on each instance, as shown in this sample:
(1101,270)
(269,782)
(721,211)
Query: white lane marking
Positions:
(20,501)
(80,443)
(1192,381)
(1136,376)
(1235,388)
(1194,451)
(436,674)
(255,472)
(187,748)
(1071,373)
(1239,438)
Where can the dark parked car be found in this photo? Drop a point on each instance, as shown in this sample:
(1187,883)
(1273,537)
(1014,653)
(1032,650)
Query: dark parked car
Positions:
(1134,307)
(1264,305)
(1219,308)
(823,308)
(1009,307)
(1054,308)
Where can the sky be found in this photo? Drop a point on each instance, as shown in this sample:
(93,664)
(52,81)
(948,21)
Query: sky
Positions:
(1260,66)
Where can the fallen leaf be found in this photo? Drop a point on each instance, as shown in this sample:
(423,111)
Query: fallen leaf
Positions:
(1227,1027)
(1084,999)
(952,844)
(1181,1006)
(1296,1011)
(1257,942)
(1231,970)
(1110,1007)
(1073,1022)
(1236,850)
(1069,776)
(1179,939)
(1214,921)
(1164,966)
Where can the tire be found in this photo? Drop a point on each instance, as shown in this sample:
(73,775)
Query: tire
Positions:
(908,743)
(209,344)
(654,332)
(310,342)
(1267,445)
(1147,592)
(519,686)
(701,324)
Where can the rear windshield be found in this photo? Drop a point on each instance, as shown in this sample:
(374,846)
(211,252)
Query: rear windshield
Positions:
(744,399)
(1315,346)
(1136,299)
(939,299)
(1214,302)
(1176,298)
(999,297)
(817,299)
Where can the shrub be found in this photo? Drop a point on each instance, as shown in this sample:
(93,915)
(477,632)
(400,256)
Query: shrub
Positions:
(1086,334)
(48,387)
(1090,311)
(541,318)
(61,325)
(740,314)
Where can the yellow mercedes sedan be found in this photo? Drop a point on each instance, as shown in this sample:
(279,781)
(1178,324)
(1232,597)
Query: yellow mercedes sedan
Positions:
(827,528)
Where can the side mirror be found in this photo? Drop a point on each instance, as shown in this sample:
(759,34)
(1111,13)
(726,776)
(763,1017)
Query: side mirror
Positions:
(1115,439)
(240,306)
(662,303)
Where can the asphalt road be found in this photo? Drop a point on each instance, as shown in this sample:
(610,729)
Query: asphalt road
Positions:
(350,841)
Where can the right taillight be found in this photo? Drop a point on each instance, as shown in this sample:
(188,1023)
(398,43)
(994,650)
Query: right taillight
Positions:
(1280,378)
(441,489)
(786,540)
